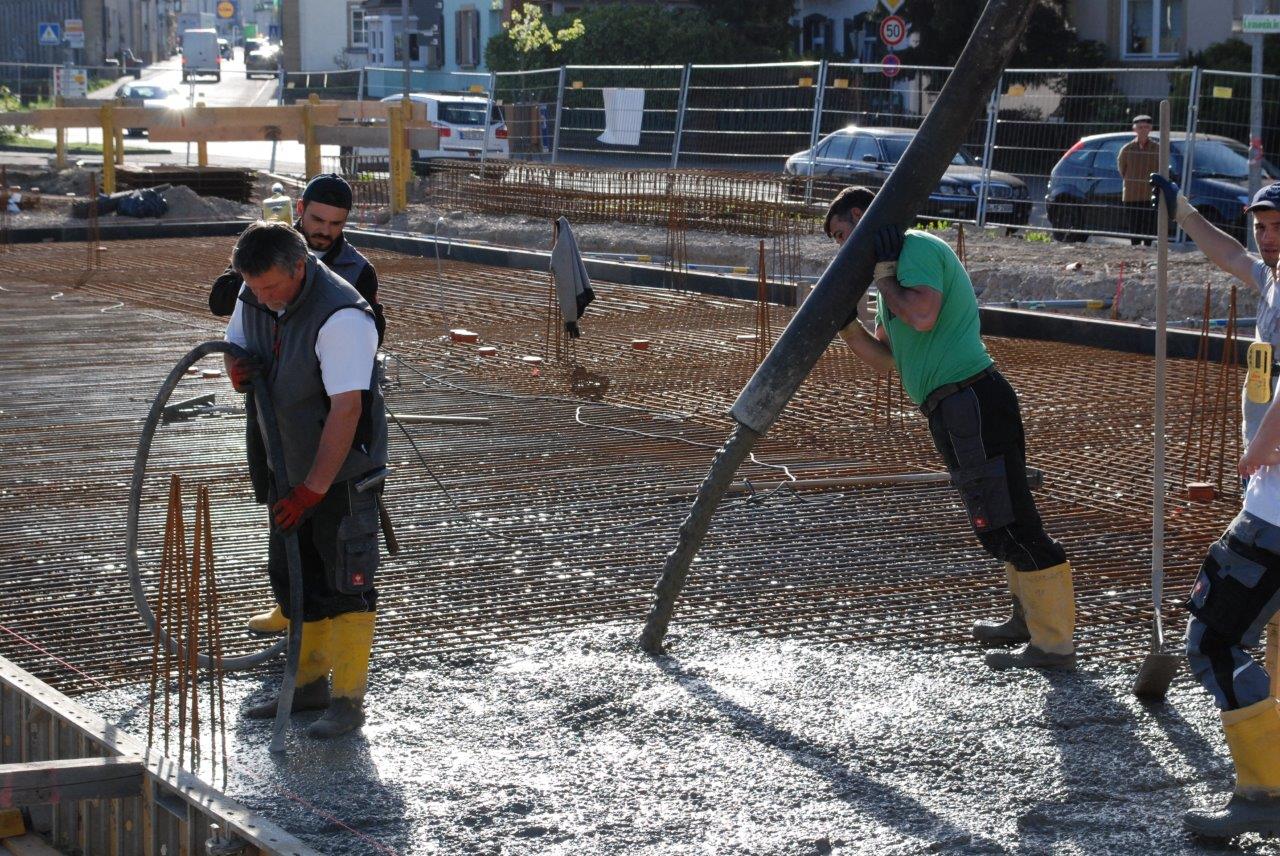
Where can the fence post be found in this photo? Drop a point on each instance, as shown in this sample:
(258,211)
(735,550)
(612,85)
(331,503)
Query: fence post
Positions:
(488,119)
(555,134)
(396,159)
(1193,119)
(360,86)
(279,101)
(815,128)
(988,152)
(202,146)
(681,104)
(309,136)
(60,136)
(107,118)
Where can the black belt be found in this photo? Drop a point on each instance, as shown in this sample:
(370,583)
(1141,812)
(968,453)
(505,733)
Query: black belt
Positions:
(934,398)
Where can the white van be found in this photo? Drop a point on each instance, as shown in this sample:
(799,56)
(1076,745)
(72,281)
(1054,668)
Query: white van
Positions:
(200,54)
(460,121)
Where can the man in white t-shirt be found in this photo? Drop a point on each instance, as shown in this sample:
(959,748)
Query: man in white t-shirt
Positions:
(313,340)
(1238,588)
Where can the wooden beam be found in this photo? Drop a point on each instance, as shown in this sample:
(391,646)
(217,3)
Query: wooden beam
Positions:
(29,845)
(52,782)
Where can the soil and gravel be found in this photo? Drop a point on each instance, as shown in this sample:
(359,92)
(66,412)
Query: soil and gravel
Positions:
(578,743)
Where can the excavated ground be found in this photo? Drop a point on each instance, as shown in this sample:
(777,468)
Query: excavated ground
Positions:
(579,743)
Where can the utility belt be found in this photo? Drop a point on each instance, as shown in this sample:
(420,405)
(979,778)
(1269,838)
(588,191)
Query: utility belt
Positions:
(935,398)
(1262,368)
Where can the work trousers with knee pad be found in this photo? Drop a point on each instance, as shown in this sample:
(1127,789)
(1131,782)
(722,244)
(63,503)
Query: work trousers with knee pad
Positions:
(978,432)
(338,543)
(1235,595)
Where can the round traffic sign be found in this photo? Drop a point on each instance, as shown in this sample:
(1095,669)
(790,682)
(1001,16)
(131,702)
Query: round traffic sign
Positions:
(891,65)
(226,9)
(893,31)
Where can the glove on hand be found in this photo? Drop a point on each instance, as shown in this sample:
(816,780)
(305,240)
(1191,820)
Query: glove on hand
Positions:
(1162,189)
(242,372)
(289,511)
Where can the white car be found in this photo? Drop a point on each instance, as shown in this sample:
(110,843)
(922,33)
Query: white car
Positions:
(460,121)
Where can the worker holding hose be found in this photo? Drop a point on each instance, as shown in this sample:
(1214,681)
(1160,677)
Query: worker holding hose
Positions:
(314,340)
(322,215)
(926,326)
(1238,588)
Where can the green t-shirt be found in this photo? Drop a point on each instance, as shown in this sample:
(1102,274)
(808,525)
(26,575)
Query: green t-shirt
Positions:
(953,349)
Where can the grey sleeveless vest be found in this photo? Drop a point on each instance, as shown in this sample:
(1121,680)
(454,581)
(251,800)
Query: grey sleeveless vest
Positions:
(348,263)
(287,348)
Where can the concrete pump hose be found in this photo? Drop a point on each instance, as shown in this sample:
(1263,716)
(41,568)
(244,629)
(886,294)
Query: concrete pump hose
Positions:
(135,501)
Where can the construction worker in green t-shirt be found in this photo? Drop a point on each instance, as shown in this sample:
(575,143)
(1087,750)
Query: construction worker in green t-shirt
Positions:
(926,327)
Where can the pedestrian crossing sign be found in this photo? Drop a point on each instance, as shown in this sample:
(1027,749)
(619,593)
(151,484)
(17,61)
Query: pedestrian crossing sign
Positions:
(50,34)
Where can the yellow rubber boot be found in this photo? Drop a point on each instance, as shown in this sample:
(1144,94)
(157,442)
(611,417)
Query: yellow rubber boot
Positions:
(269,623)
(1253,736)
(1012,630)
(1048,599)
(311,689)
(350,646)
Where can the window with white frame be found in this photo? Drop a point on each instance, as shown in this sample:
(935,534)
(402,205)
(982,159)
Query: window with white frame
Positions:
(357,33)
(1152,29)
(467,44)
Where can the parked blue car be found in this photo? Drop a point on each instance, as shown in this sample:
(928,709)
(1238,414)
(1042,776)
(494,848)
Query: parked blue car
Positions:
(1085,185)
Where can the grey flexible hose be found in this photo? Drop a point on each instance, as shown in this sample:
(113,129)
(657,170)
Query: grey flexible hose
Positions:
(272,436)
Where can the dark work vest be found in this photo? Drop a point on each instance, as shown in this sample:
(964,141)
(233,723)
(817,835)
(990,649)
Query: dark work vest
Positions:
(286,346)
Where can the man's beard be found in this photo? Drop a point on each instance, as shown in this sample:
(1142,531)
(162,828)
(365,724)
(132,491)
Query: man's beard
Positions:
(318,242)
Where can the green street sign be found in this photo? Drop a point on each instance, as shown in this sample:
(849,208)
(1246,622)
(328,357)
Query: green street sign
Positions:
(1261,24)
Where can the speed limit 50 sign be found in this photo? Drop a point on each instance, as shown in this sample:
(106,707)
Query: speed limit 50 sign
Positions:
(893,31)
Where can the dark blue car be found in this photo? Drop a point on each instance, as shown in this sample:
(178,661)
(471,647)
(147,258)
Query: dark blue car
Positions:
(1085,186)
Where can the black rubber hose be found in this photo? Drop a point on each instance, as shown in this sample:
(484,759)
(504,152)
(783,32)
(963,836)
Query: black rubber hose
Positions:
(271,433)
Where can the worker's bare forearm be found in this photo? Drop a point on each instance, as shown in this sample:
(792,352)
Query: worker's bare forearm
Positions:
(335,440)
(868,348)
(1220,248)
(917,307)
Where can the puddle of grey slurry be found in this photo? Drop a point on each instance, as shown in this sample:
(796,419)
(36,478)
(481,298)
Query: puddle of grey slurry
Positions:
(734,743)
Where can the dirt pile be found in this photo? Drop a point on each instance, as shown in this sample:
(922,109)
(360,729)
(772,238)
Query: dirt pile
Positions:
(186,204)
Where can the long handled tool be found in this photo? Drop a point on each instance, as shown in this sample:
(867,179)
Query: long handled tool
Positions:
(1160,665)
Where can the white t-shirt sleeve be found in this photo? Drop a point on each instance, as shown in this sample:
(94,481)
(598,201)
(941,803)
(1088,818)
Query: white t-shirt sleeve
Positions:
(235,327)
(346,347)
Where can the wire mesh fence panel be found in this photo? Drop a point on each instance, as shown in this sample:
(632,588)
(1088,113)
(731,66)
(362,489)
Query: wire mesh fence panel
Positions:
(370,184)
(748,116)
(866,122)
(1218,179)
(528,101)
(1061,133)
(625,114)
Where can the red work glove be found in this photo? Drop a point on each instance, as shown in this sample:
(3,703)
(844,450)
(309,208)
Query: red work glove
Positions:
(288,511)
(242,372)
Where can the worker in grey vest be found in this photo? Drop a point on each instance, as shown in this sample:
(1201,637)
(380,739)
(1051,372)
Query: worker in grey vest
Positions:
(313,339)
(322,214)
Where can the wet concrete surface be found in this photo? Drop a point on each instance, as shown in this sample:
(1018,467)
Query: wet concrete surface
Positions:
(734,743)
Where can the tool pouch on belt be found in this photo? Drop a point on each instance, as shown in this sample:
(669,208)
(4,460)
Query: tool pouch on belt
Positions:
(358,545)
(1237,580)
(1258,383)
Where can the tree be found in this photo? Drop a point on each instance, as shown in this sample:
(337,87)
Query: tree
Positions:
(1050,40)
(764,24)
(529,40)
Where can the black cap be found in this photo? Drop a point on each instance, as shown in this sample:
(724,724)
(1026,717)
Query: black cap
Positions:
(328,189)
(1142,117)
(1266,199)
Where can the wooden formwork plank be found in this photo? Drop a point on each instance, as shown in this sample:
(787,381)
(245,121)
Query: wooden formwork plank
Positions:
(44,703)
(41,782)
(29,845)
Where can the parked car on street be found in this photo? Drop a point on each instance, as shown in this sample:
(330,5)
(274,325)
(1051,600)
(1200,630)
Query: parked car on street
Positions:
(151,96)
(261,59)
(460,120)
(1085,185)
(866,156)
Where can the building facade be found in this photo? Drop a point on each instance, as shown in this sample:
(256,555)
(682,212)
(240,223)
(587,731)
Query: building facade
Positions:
(837,29)
(445,38)
(1158,32)
(142,26)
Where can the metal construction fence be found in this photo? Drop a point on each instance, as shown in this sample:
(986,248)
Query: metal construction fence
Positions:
(774,117)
